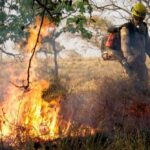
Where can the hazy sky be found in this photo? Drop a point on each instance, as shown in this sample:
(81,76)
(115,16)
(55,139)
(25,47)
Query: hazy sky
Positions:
(114,15)
(10,45)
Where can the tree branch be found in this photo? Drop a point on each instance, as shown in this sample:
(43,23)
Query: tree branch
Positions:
(33,52)
(111,6)
(45,8)
(26,87)
(8,53)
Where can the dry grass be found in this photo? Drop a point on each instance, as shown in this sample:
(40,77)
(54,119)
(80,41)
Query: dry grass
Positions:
(83,74)
(102,91)
(100,96)
(103,97)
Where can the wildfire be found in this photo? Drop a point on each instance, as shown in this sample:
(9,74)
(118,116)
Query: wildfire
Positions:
(26,114)
(46,29)
(29,111)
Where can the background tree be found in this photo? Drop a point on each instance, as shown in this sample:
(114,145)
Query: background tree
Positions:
(17,15)
(121,10)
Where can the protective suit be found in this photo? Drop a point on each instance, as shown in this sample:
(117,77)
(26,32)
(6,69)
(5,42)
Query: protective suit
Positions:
(135,53)
(135,47)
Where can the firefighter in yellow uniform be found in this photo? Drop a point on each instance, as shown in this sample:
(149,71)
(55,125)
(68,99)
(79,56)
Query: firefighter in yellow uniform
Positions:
(135,54)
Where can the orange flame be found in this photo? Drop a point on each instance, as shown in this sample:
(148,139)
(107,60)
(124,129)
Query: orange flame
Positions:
(39,116)
(27,111)
(46,29)
(25,114)
(31,112)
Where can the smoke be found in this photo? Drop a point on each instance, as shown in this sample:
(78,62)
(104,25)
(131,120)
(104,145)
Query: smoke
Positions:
(13,73)
(80,108)
(115,105)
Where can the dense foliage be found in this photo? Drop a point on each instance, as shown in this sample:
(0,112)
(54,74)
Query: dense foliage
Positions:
(16,15)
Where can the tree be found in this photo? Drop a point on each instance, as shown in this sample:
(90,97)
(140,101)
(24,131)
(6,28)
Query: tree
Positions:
(122,9)
(17,15)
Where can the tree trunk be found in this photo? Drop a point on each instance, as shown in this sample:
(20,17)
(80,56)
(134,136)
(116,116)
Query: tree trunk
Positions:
(1,24)
(56,75)
(1,56)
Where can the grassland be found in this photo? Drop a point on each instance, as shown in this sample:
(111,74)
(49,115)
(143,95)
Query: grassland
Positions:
(100,96)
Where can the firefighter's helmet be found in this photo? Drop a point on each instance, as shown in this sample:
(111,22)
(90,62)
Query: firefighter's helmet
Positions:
(139,10)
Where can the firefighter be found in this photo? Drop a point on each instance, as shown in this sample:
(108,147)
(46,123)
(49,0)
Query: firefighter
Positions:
(135,53)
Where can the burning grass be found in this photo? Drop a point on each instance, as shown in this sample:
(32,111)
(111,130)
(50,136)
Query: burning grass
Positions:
(99,108)
(94,106)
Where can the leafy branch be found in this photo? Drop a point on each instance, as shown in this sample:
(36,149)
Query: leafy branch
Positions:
(26,87)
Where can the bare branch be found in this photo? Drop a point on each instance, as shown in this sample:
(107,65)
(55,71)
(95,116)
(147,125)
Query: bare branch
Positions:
(8,53)
(111,6)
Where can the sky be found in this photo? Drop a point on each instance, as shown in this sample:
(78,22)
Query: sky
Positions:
(81,46)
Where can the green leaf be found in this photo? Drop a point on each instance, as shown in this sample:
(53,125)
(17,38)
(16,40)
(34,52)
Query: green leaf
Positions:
(26,3)
(3,16)
(72,29)
(85,33)
(70,20)
(13,7)
(26,12)
(81,7)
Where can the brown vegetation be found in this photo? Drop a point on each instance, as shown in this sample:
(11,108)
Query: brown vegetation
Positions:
(99,95)
(102,91)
